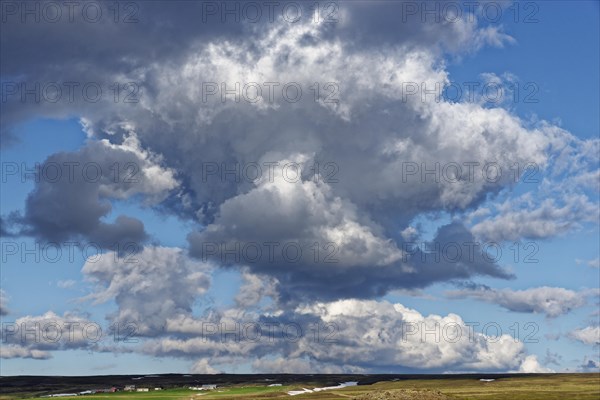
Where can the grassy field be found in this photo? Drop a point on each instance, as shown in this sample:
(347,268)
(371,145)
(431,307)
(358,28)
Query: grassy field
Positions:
(546,387)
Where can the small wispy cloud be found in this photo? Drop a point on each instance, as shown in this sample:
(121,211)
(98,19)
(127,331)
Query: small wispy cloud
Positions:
(66,284)
(595,263)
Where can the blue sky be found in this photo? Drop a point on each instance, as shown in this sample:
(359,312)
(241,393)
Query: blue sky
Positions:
(559,54)
(570,52)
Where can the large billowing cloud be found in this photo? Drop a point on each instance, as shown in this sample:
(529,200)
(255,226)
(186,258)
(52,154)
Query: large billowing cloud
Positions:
(75,49)
(342,336)
(345,170)
(351,336)
(382,334)
(318,245)
(364,140)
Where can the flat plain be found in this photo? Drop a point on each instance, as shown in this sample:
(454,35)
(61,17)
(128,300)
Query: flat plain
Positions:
(380,387)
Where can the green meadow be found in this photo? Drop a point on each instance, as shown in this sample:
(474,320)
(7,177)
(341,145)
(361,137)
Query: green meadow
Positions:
(543,387)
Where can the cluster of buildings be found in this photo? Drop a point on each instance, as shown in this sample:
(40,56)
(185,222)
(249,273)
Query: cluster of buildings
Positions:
(127,388)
